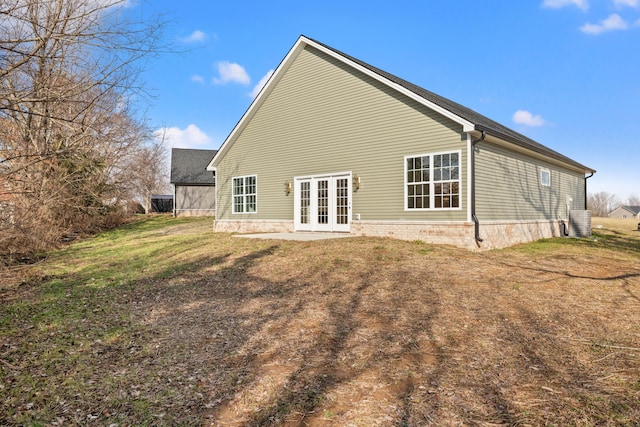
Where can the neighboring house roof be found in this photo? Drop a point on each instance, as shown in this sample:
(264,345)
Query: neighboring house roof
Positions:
(634,210)
(469,119)
(189,166)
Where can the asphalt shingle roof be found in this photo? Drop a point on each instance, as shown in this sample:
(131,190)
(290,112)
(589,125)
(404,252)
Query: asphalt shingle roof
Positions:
(635,210)
(481,122)
(188,166)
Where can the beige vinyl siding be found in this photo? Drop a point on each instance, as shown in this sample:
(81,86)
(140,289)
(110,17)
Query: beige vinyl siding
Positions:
(508,187)
(195,197)
(324,117)
(623,213)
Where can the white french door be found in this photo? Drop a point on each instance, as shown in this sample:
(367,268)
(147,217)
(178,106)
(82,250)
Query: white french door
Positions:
(323,202)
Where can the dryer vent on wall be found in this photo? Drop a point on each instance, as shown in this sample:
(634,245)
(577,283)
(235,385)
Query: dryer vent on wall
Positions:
(579,223)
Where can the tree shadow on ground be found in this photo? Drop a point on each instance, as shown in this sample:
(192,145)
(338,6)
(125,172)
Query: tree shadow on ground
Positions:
(628,242)
(313,345)
(365,331)
(253,323)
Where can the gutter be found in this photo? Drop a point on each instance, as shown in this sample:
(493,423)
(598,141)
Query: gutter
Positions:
(476,222)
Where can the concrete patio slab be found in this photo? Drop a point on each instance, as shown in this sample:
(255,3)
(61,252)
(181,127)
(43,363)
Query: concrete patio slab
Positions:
(301,236)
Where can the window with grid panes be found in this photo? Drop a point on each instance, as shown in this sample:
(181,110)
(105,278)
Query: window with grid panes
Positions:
(432,181)
(244,194)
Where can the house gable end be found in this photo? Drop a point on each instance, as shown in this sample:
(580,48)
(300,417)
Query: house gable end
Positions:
(304,42)
(634,210)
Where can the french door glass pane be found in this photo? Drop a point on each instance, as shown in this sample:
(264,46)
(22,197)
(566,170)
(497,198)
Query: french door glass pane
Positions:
(342,201)
(305,202)
(323,201)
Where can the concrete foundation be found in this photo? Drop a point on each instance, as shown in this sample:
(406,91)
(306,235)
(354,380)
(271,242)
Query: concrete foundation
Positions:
(494,234)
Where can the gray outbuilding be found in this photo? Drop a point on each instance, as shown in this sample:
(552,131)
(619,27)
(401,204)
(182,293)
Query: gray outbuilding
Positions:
(194,188)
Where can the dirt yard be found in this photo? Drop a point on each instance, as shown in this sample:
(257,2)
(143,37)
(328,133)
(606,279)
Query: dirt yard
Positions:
(347,332)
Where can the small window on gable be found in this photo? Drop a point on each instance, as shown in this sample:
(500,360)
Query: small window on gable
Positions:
(545,177)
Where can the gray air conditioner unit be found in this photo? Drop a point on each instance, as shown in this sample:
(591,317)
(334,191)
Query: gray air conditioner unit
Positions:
(579,223)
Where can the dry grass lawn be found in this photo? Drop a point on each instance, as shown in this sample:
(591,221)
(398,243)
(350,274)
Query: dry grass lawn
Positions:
(168,323)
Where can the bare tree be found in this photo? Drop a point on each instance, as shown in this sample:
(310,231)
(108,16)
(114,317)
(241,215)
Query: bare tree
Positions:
(151,169)
(69,70)
(633,200)
(602,203)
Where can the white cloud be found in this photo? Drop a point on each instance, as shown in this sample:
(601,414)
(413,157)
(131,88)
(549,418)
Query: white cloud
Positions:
(557,4)
(191,137)
(231,72)
(263,81)
(523,117)
(197,78)
(629,3)
(196,36)
(613,22)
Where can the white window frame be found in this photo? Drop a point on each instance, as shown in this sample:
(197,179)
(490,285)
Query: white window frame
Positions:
(244,194)
(545,182)
(432,183)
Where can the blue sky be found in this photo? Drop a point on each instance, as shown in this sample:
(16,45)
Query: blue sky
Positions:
(563,72)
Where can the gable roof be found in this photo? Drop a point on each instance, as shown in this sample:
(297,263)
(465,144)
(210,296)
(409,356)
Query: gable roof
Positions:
(189,166)
(469,119)
(635,210)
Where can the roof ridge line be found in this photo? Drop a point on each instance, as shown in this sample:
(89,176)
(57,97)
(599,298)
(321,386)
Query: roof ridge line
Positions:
(480,121)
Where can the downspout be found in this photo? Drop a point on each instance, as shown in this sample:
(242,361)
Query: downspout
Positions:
(476,222)
(174,200)
(585,190)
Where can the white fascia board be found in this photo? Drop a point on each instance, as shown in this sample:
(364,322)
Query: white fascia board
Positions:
(257,102)
(467,126)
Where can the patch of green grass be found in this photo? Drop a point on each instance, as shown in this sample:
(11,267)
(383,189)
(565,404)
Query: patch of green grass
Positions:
(601,239)
(75,313)
(143,248)
(616,240)
(548,245)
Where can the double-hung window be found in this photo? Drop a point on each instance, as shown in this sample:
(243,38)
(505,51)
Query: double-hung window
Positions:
(245,192)
(432,181)
(545,178)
